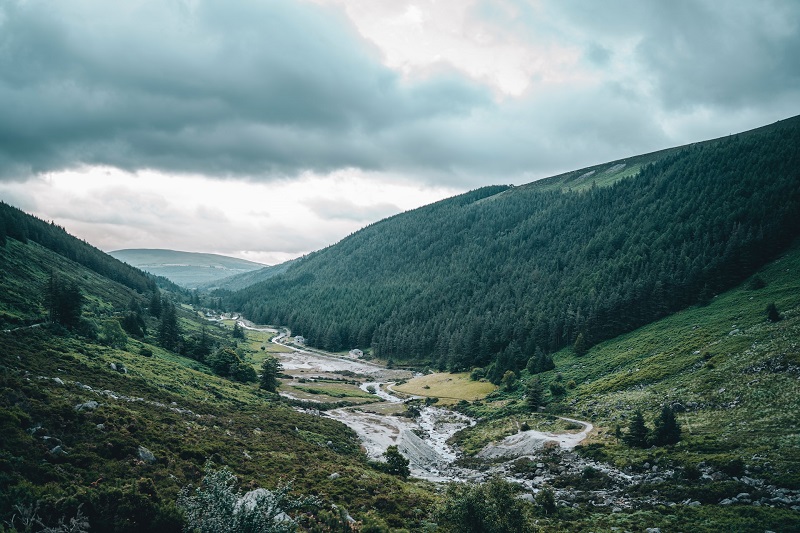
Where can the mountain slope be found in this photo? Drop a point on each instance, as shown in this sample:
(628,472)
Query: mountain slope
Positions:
(187,269)
(117,427)
(492,275)
(237,282)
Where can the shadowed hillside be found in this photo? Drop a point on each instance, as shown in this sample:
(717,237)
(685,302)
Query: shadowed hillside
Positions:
(492,276)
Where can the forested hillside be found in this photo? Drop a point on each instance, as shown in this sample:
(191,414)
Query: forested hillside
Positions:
(497,273)
(23,227)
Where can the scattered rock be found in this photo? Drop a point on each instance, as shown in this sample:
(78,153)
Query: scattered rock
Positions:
(87,406)
(58,380)
(694,504)
(58,450)
(146,455)
(335,475)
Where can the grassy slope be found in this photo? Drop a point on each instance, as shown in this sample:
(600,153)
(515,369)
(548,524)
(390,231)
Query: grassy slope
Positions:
(735,371)
(170,405)
(607,174)
(737,374)
(26,269)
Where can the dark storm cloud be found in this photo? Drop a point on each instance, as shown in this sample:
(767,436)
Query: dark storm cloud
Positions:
(233,88)
(266,89)
(700,52)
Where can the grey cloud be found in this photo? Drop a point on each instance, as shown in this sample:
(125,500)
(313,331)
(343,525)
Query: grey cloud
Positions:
(347,210)
(236,88)
(724,54)
(272,89)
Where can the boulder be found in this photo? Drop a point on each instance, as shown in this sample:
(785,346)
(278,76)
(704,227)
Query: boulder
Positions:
(87,406)
(146,455)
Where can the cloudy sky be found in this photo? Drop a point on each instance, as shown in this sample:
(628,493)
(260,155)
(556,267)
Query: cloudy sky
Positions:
(268,129)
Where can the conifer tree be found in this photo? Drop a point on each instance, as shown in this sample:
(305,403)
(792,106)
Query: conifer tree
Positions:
(581,346)
(637,431)
(169,334)
(772,313)
(270,369)
(396,463)
(667,430)
(534,394)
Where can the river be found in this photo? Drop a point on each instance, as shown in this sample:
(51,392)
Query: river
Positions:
(423,439)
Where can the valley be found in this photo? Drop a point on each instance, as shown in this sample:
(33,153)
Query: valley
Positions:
(619,354)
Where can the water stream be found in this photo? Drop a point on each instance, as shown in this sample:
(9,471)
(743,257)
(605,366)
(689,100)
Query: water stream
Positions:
(422,439)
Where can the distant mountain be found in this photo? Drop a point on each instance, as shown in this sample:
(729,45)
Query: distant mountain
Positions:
(187,269)
(241,281)
(491,277)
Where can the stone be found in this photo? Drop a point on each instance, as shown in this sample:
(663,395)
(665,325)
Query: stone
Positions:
(87,406)
(58,450)
(727,501)
(146,455)
(335,475)
(694,504)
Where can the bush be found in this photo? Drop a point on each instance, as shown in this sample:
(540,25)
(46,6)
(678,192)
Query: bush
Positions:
(490,507)
(216,506)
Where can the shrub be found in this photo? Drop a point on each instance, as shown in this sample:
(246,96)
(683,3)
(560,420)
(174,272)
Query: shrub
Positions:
(216,506)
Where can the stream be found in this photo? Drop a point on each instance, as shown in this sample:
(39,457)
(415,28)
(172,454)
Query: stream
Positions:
(422,440)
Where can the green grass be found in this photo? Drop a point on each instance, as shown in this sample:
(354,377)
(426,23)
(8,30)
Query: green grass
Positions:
(736,372)
(453,387)
(171,405)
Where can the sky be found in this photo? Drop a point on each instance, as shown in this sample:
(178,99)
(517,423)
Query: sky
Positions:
(269,129)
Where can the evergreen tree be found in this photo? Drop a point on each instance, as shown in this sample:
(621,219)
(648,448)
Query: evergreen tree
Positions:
(155,304)
(772,313)
(638,433)
(534,394)
(396,463)
(270,369)
(64,302)
(581,346)
(169,334)
(667,430)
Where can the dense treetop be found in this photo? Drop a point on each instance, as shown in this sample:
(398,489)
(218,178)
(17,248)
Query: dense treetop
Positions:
(495,273)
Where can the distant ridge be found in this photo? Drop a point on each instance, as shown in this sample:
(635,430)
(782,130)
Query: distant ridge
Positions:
(237,282)
(187,269)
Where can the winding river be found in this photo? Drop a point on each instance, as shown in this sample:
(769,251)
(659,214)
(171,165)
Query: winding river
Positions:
(422,440)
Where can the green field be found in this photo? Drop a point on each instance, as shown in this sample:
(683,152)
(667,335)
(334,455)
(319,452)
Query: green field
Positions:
(449,388)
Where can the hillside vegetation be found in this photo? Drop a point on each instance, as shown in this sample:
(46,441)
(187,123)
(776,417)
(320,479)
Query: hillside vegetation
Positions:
(109,428)
(492,276)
